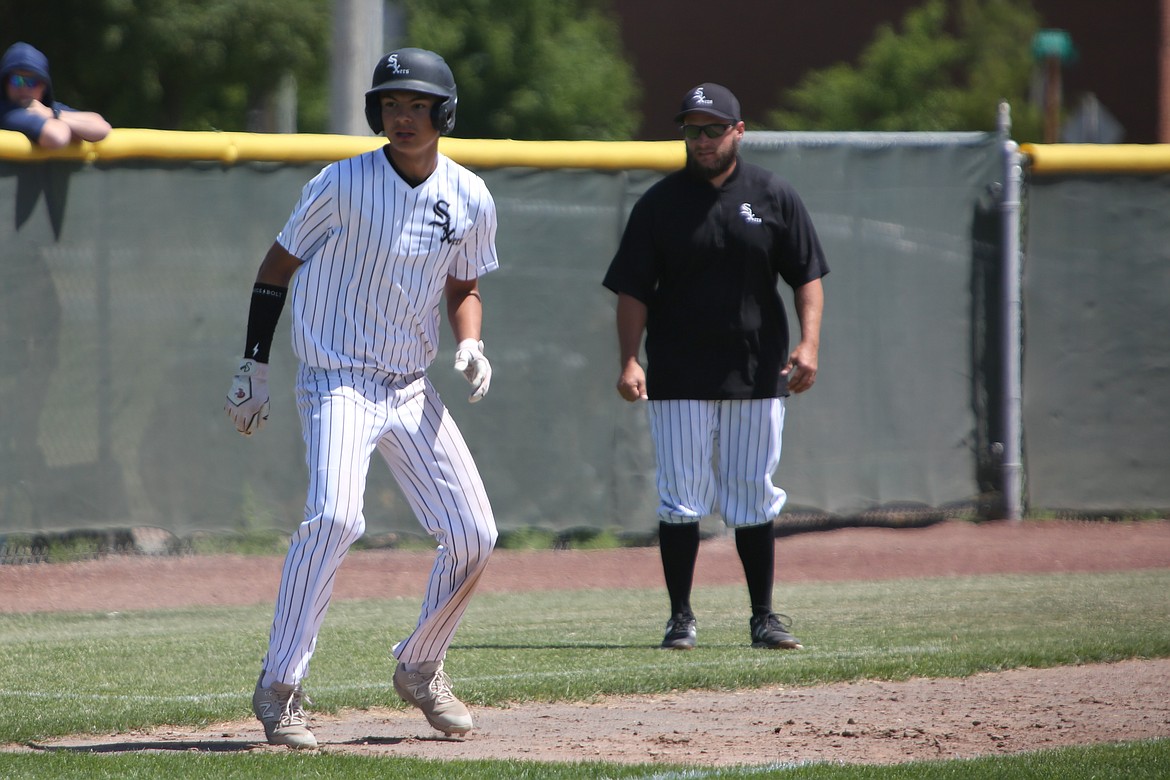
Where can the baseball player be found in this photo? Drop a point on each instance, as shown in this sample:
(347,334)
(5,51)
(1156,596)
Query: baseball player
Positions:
(697,271)
(370,249)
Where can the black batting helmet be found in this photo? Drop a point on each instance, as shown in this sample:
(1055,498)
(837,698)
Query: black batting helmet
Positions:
(414,70)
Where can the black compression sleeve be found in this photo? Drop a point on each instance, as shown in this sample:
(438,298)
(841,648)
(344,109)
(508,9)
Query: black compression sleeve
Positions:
(263,314)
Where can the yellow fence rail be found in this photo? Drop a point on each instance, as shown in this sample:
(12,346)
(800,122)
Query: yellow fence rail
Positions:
(233,148)
(1051,159)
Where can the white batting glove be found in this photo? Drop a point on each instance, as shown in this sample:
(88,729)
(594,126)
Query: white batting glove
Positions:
(247,401)
(475,367)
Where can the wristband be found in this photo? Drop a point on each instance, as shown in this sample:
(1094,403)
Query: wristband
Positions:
(263,314)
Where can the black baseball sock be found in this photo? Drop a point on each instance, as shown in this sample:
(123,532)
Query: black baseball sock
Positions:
(757,551)
(678,543)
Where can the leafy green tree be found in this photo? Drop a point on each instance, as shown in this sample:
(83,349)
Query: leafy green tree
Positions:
(531,69)
(179,64)
(946,69)
(527,69)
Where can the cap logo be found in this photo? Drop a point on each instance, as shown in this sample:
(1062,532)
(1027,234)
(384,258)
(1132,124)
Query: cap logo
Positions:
(701,99)
(392,63)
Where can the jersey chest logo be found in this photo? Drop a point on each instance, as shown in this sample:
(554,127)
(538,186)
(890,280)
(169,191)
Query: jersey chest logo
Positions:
(749,216)
(442,220)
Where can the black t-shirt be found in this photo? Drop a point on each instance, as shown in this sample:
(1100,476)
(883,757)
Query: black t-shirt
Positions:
(706,261)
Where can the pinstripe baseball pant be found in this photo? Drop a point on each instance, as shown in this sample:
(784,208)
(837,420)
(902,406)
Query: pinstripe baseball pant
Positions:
(346,416)
(718,456)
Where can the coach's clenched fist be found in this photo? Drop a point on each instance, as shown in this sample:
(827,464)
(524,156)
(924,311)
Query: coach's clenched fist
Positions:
(632,382)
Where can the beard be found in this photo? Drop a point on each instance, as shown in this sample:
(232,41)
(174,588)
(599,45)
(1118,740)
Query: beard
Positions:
(718,166)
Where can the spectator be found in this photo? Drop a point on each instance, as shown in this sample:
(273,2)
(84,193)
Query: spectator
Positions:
(28,105)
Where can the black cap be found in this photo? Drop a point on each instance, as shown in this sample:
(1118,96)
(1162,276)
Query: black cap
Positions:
(713,99)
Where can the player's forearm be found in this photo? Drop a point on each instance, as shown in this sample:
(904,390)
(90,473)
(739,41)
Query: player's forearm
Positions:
(466,324)
(464,312)
(268,296)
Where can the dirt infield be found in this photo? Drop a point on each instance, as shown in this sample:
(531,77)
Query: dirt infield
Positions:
(865,722)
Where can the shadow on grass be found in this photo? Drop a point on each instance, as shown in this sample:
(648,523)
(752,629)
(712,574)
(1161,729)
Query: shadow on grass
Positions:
(193,745)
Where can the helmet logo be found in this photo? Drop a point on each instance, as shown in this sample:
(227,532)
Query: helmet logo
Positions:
(392,63)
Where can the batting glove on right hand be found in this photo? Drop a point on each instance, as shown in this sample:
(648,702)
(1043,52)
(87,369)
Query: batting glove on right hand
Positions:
(475,367)
(247,401)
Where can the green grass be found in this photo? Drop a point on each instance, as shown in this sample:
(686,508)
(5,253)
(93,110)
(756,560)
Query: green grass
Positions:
(109,673)
(1132,761)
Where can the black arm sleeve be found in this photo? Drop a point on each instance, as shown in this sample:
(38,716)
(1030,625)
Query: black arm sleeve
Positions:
(263,314)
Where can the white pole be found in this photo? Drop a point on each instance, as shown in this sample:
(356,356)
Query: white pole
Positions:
(1012,392)
(358,30)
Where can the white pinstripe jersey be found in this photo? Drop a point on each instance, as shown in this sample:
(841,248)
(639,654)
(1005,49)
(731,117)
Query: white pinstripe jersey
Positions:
(377,254)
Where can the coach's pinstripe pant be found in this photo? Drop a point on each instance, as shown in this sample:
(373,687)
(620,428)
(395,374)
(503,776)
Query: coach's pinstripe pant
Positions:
(718,456)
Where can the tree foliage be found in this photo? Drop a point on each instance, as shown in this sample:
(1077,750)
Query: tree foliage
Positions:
(946,69)
(178,64)
(527,69)
(531,69)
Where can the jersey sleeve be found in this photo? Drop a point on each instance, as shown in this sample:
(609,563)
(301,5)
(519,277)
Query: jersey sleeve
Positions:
(799,258)
(632,269)
(22,121)
(477,255)
(314,217)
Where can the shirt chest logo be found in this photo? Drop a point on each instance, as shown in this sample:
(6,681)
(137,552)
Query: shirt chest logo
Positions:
(442,220)
(745,211)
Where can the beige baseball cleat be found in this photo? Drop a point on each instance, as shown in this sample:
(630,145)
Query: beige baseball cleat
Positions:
(431,693)
(280,710)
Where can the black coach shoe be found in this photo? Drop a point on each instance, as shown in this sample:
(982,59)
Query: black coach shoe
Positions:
(680,632)
(769,632)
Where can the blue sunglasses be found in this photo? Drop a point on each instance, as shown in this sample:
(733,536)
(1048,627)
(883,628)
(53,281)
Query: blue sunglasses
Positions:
(18,81)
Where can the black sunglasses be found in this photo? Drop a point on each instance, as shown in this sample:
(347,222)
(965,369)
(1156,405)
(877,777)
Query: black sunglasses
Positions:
(711,131)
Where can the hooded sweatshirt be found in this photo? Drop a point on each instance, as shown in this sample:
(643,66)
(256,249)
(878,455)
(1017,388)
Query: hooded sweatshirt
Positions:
(22,56)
